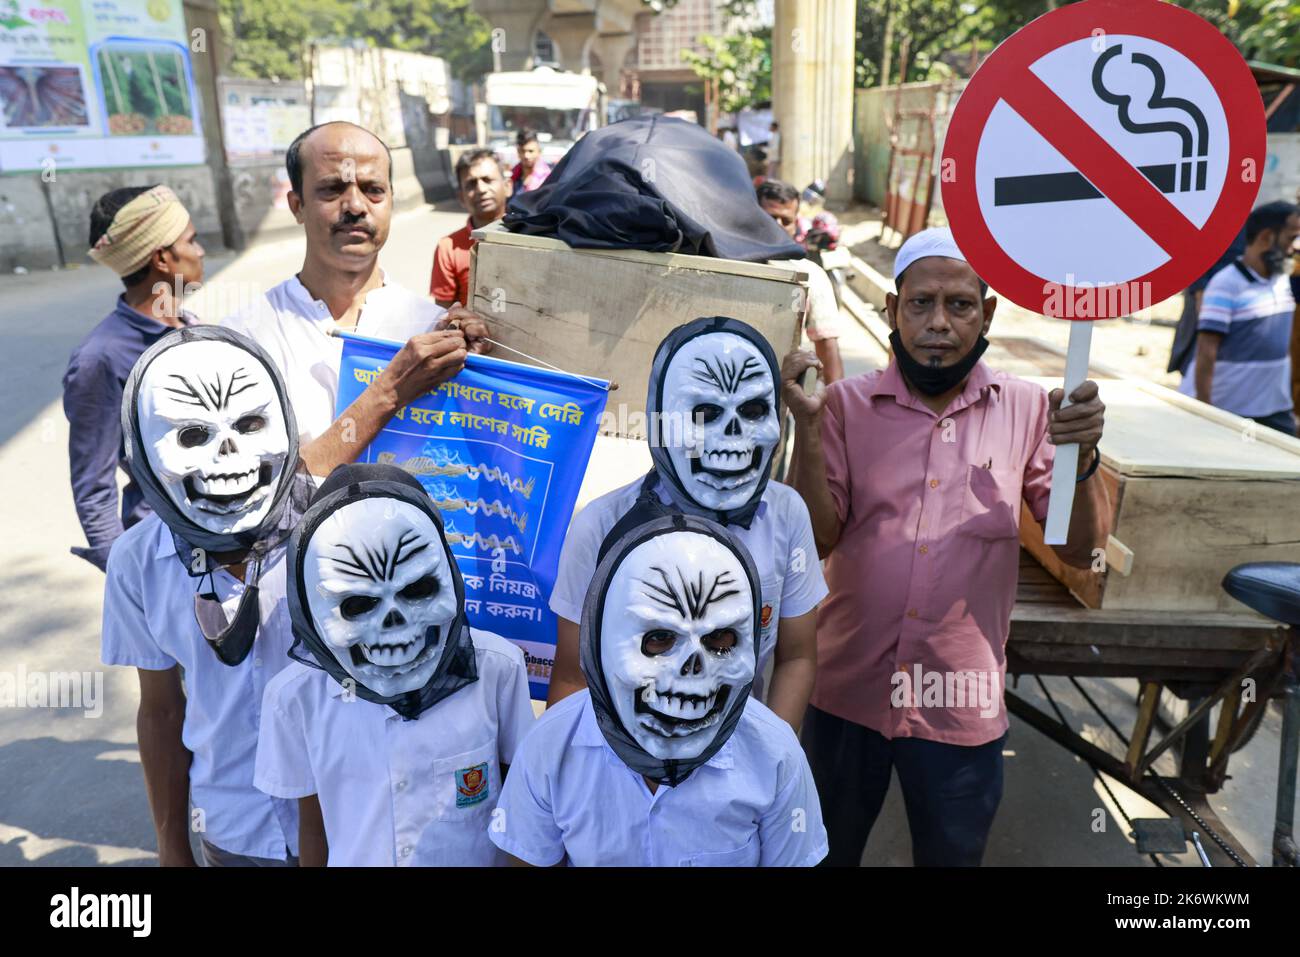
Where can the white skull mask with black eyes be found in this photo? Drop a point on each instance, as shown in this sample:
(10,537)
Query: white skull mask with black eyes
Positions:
(721,424)
(380,592)
(677,641)
(214,433)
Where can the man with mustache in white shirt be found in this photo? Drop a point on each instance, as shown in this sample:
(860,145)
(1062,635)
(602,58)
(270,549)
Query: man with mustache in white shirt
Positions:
(342,193)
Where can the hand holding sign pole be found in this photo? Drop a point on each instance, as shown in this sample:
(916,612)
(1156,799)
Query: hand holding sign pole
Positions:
(1098,162)
(1066,462)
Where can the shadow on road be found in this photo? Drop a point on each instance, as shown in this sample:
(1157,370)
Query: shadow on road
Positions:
(75,791)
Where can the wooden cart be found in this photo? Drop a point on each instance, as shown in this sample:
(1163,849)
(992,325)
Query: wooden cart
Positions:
(603,312)
(1207,658)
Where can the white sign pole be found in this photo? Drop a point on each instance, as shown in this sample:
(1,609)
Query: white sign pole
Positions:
(1065,468)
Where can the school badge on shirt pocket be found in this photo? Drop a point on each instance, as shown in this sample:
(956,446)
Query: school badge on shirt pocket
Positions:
(472,785)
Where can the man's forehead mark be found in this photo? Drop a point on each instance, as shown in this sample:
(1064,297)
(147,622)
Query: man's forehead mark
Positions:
(725,372)
(689,599)
(379,564)
(354,156)
(213,396)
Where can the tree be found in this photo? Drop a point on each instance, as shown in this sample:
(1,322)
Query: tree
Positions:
(938,32)
(933,32)
(270,37)
(740,64)
(1267,30)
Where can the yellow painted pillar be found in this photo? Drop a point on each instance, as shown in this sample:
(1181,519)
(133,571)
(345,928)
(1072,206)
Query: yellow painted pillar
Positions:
(812,92)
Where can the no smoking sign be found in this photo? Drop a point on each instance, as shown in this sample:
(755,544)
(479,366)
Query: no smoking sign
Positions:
(1103,158)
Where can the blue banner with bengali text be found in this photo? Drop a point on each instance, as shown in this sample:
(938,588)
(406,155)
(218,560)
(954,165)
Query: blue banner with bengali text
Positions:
(502,450)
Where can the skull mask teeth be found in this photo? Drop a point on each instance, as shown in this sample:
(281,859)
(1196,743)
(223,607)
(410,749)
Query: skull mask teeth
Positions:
(214,433)
(721,426)
(677,641)
(381,593)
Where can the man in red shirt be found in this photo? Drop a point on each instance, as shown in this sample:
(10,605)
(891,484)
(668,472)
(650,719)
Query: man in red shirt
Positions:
(531,170)
(481,187)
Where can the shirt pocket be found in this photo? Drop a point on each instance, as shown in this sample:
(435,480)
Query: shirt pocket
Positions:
(744,856)
(466,784)
(991,505)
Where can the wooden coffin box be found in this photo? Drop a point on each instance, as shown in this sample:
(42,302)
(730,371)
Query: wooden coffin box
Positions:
(604,312)
(1194,491)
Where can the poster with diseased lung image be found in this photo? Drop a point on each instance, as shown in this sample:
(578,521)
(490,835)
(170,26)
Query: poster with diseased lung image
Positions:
(96,83)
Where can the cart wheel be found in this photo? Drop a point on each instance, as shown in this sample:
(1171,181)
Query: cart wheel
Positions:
(1251,728)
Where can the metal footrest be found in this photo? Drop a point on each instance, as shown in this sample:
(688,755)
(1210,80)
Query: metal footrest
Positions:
(1159,835)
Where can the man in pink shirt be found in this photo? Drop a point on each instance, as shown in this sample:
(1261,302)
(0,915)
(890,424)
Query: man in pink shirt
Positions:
(914,478)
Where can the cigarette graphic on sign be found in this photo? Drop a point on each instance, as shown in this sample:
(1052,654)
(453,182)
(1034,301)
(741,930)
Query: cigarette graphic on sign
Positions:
(1176,177)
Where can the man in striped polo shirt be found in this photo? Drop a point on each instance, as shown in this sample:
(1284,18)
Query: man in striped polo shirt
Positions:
(1242,360)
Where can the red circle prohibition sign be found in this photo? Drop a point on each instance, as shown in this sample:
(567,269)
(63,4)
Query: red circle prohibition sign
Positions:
(1006,77)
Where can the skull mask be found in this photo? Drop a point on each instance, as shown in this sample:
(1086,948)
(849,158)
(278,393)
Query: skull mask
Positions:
(380,593)
(719,420)
(677,645)
(213,431)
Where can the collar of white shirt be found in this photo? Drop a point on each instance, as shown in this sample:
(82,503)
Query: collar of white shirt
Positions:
(166,544)
(167,549)
(588,735)
(308,305)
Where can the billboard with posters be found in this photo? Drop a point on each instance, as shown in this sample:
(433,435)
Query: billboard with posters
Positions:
(96,83)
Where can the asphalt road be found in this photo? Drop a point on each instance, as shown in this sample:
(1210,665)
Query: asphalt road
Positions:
(71,791)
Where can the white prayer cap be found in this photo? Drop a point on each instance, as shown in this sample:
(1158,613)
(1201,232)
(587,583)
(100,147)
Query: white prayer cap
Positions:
(928,242)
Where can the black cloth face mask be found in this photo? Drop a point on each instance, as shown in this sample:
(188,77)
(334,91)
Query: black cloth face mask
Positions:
(1275,259)
(231,640)
(935,380)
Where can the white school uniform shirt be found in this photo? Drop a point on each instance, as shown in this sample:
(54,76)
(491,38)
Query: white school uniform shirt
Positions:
(149,623)
(753,804)
(295,329)
(780,539)
(394,792)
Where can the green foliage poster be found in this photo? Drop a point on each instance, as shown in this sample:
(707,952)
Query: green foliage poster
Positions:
(96,83)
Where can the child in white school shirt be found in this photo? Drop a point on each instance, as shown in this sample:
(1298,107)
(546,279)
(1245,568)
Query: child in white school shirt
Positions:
(665,760)
(194,597)
(715,411)
(396,725)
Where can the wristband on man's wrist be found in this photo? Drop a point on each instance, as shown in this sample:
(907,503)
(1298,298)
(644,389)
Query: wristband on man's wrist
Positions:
(1096,461)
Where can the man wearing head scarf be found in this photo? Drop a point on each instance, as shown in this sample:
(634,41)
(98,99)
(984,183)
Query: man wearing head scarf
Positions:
(664,760)
(144,235)
(714,409)
(341,192)
(409,775)
(914,477)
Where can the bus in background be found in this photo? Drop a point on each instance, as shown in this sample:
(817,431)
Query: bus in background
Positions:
(558,106)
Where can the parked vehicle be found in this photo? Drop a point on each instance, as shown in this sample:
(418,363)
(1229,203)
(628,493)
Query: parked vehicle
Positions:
(558,106)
